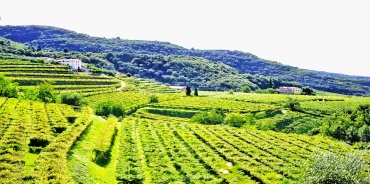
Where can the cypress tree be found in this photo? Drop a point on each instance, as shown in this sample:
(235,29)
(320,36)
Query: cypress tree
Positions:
(196,91)
(188,91)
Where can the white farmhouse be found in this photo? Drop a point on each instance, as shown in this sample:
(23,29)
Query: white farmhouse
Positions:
(289,90)
(74,64)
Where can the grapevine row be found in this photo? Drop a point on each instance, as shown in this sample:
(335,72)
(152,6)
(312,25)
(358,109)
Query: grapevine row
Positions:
(51,165)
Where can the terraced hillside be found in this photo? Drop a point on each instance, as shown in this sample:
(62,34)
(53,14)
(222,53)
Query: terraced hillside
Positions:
(29,74)
(139,84)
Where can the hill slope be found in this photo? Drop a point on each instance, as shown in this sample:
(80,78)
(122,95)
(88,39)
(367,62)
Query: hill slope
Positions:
(58,39)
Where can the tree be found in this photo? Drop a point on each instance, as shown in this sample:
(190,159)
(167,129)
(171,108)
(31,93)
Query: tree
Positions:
(364,133)
(196,91)
(208,118)
(271,85)
(246,89)
(38,48)
(250,119)
(109,56)
(65,50)
(292,105)
(235,120)
(338,132)
(71,98)
(271,91)
(266,124)
(188,91)
(307,91)
(153,98)
(7,87)
(30,94)
(352,134)
(47,93)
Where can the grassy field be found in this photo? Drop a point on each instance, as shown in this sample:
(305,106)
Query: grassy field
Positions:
(81,166)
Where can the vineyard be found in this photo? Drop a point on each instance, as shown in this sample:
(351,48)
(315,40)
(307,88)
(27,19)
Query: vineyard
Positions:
(133,84)
(146,132)
(52,143)
(34,128)
(211,103)
(29,74)
(168,150)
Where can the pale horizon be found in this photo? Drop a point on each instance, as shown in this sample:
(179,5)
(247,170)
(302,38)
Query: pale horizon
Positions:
(331,36)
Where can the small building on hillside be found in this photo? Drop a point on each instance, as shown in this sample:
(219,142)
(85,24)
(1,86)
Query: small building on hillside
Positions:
(289,90)
(74,64)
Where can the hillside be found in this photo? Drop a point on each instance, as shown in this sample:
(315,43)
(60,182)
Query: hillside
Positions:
(155,136)
(52,143)
(28,74)
(51,38)
(175,70)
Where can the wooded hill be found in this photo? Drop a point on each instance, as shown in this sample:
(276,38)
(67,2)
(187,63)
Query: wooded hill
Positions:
(139,58)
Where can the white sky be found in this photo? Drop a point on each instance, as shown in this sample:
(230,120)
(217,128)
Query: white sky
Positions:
(324,35)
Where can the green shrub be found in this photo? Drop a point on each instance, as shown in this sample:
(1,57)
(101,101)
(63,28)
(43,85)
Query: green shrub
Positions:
(97,70)
(30,94)
(71,98)
(117,110)
(111,73)
(250,119)
(231,92)
(153,98)
(260,115)
(246,89)
(348,125)
(338,132)
(107,108)
(352,134)
(46,93)
(327,167)
(208,118)
(292,105)
(7,87)
(266,124)
(235,120)
(364,133)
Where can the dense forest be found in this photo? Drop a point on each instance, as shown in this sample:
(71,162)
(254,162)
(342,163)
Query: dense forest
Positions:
(166,62)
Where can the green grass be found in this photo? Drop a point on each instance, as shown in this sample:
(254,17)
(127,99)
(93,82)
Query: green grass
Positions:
(30,164)
(80,158)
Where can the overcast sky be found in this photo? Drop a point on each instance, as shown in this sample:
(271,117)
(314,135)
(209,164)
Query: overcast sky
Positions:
(324,35)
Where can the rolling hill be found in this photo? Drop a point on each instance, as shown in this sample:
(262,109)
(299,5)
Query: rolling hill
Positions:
(158,141)
(57,39)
